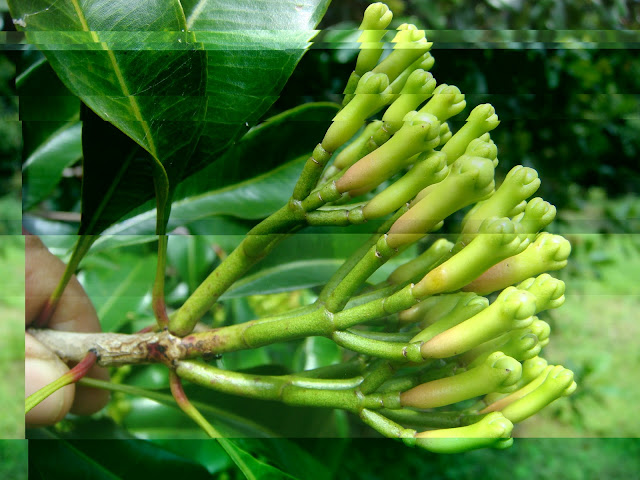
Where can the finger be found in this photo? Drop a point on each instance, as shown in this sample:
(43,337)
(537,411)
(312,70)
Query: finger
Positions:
(41,367)
(74,312)
(43,271)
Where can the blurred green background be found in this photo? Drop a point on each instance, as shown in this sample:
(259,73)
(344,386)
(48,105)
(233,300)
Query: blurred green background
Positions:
(571,111)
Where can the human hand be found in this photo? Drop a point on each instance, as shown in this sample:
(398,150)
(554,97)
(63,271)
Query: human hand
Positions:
(74,312)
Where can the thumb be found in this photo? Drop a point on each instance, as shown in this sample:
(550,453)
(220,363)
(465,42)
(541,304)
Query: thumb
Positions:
(41,367)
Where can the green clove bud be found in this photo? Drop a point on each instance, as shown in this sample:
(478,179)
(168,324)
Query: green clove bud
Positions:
(447,101)
(519,184)
(558,382)
(419,133)
(424,262)
(512,309)
(547,290)
(430,168)
(410,45)
(498,239)
(481,120)
(493,430)
(371,95)
(497,371)
(377,18)
(548,252)
(470,179)
(464,308)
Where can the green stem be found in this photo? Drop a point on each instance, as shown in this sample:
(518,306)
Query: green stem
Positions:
(80,249)
(282,389)
(430,419)
(187,407)
(169,401)
(72,376)
(258,242)
(396,351)
(157,293)
(353,260)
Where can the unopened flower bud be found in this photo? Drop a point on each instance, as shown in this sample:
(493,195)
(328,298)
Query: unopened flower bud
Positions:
(446,102)
(512,309)
(482,119)
(430,168)
(493,430)
(470,179)
(498,370)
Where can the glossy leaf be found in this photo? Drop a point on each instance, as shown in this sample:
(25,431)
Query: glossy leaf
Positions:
(105,459)
(316,352)
(251,180)
(44,166)
(50,130)
(192,256)
(250,466)
(157,84)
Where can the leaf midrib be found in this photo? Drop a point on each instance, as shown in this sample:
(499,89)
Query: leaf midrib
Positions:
(123,86)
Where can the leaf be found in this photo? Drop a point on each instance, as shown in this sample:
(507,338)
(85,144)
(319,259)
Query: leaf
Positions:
(192,256)
(105,459)
(316,352)
(50,129)
(238,184)
(252,468)
(117,287)
(44,166)
(155,82)
(153,93)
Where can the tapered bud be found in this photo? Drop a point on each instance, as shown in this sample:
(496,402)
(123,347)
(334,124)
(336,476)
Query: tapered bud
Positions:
(419,133)
(352,152)
(547,290)
(439,321)
(493,430)
(519,184)
(548,252)
(497,371)
(425,62)
(483,147)
(424,262)
(537,215)
(409,45)
(376,19)
(524,387)
(446,102)
(470,179)
(559,382)
(482,119)
(371,95)
(512,309)
(498,239)
(417,89)
(430,168)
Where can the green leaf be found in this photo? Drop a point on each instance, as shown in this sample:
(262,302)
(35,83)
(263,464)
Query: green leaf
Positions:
(44,166)
(251,180)
(158,85)
(153,93)
(50,129)
(192,256)
(316,352)
(252,468)
(105,459)
(117,286)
